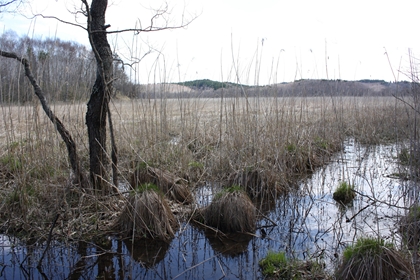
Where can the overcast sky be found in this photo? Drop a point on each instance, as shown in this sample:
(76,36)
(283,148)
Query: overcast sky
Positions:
(253,42)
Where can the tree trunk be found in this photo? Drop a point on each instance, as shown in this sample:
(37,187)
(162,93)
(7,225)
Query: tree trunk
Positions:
(98,104)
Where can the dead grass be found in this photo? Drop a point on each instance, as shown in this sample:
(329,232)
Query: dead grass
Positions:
(147,215)
(231,211)
(263,144)
(172,186)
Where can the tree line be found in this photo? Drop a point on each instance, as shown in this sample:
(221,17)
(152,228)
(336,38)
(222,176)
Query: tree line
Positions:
(66,70)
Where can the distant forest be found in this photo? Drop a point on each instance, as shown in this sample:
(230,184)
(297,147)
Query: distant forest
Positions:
(66,71)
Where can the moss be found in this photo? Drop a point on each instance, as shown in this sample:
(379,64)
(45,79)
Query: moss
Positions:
(277,266)
(273,263)
(344,193)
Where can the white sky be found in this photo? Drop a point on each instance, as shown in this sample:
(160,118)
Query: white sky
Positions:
(264,41)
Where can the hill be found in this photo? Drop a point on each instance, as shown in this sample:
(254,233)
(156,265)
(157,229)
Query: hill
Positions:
(209,84)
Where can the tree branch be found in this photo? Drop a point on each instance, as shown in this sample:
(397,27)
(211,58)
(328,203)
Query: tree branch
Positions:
(8,3)
(65,135)
(56,18)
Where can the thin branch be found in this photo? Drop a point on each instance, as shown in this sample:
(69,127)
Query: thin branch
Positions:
(149,29)
(152,27)
(8,3)
(406,103)
(48,241)
(56,18)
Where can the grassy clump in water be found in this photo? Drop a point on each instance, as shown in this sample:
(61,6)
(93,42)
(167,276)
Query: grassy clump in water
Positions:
(147,215)
(231,211)
(365,246)
(277,266)
(373,258)
(344,193)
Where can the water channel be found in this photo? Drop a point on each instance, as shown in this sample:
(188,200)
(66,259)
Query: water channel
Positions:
(306,223)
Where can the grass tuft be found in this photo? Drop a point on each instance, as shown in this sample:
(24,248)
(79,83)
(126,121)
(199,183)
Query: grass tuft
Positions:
(374,259)
(277,266)
(344,193)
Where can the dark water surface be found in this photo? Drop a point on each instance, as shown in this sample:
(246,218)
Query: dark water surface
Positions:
(306,223)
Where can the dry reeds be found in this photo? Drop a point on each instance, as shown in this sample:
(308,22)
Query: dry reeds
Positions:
(256,184)
(410,227)
(231,211)
(172,186)
(263,144)
(147,215)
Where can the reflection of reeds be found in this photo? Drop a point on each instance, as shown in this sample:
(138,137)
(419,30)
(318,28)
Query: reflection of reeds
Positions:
(148,252)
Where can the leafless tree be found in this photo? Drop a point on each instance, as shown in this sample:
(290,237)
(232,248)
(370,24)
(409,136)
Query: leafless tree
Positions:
(98,114)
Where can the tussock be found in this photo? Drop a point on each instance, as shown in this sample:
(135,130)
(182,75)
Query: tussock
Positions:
(230,212)
(147,215)
(372,259)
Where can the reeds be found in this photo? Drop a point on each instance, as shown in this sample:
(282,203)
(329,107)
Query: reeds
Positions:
(264,144)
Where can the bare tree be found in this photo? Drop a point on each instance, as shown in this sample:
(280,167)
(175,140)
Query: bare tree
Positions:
(98,113)
(5,5)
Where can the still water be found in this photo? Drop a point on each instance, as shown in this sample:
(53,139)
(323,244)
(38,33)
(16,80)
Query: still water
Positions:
(305,223)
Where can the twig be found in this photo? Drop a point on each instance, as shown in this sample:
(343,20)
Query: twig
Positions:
(349,220)
(266,217)
(194,266)
(48,241)
(211,228)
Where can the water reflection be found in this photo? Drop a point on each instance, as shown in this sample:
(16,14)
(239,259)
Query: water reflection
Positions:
(147,252)
(229,245)
(305,223)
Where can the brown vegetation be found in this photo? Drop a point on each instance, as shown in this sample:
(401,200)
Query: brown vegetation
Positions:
(270,140)
(371,258)
(231,211)
(147,215)
(172,186)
